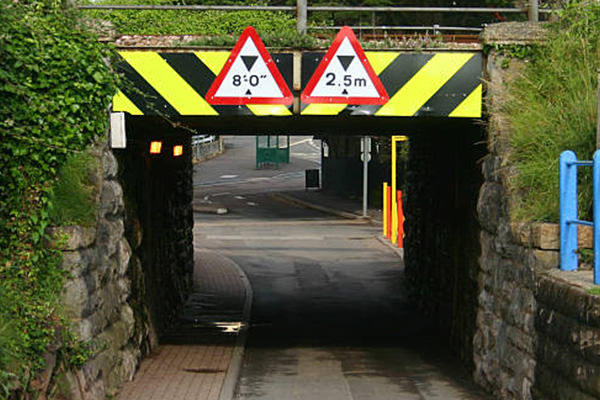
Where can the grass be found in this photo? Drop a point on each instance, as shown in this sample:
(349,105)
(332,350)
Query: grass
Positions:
(73,197)
(551,108)
(9,341)
(594,291)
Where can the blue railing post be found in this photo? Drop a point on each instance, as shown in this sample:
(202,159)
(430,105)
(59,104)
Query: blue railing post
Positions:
(568,210)
(569,220)
(596,179)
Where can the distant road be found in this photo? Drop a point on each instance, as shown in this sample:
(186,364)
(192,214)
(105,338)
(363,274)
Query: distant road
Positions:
(330,318)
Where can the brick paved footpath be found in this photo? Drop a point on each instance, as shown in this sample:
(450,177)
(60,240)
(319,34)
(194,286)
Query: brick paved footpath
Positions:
(198,358)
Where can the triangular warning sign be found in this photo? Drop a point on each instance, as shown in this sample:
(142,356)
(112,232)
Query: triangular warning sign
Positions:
(249,76)
(345,75)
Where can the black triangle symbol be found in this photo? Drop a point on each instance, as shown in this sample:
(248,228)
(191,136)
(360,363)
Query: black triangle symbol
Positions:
(345,61)
(248,92)
(344,91)
(249,61)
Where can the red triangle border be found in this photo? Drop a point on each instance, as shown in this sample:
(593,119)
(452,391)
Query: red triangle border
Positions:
(345,32)
(287,98)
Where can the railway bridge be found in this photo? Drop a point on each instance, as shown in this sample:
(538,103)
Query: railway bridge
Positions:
(487,283)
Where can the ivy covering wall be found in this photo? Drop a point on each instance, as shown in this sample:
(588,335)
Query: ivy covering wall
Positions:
(55,86)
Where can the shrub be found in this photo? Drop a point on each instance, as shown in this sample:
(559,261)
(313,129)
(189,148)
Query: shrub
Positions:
(552,108)
(189,22)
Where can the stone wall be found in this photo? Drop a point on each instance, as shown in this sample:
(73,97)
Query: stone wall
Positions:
(504,342)
(567,324)
(538,328)
(97,293)
(537,332)
(130,271)
(504,345)
(206,151)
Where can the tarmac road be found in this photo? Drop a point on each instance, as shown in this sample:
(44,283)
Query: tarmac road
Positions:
(236,169)
(330,318)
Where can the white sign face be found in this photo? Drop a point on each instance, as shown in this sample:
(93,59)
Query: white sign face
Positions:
(345,76)
(118,139)
(249,76)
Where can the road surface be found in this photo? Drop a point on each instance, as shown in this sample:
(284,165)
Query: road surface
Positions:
(331,318)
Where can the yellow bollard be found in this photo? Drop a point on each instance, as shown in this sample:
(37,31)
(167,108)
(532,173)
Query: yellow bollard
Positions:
(385,208)
(395,140)
(394,205)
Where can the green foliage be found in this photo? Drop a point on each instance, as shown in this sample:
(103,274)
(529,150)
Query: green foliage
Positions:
(73,197)
(354,18)
(10,342)
(552,108)
(594,291)
(222,23)
(513,51)
(271,40)
(189,22)
(526,53)
(74,353)
(586,257)
(416,43)
(55,87)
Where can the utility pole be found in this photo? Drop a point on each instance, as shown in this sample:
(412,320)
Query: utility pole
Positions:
(365,147)
(533,11)
(301,16)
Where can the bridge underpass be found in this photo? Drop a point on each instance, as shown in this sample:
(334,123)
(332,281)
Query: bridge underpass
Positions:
(330,301)
(442,181)
(331,318)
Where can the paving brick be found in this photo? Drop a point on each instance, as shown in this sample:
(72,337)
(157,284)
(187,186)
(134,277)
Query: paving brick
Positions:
(195,370)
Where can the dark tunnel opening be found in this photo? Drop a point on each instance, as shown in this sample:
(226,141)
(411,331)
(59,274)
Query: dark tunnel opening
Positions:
(437,305)
(157,186)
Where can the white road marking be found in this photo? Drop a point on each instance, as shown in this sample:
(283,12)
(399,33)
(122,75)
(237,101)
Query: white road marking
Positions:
(297,174)
(274,238)
(300,142)
(199,226)
(228,176)
(316,146)
(312,155)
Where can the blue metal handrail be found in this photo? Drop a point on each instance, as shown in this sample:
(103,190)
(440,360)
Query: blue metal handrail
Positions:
(569,219)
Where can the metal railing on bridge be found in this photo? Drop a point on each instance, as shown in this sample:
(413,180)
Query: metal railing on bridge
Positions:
(569,214)
(302,8)
(202,139)
(201,145)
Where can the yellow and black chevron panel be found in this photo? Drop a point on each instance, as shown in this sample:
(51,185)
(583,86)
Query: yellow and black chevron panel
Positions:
(157,83)
(443,84)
